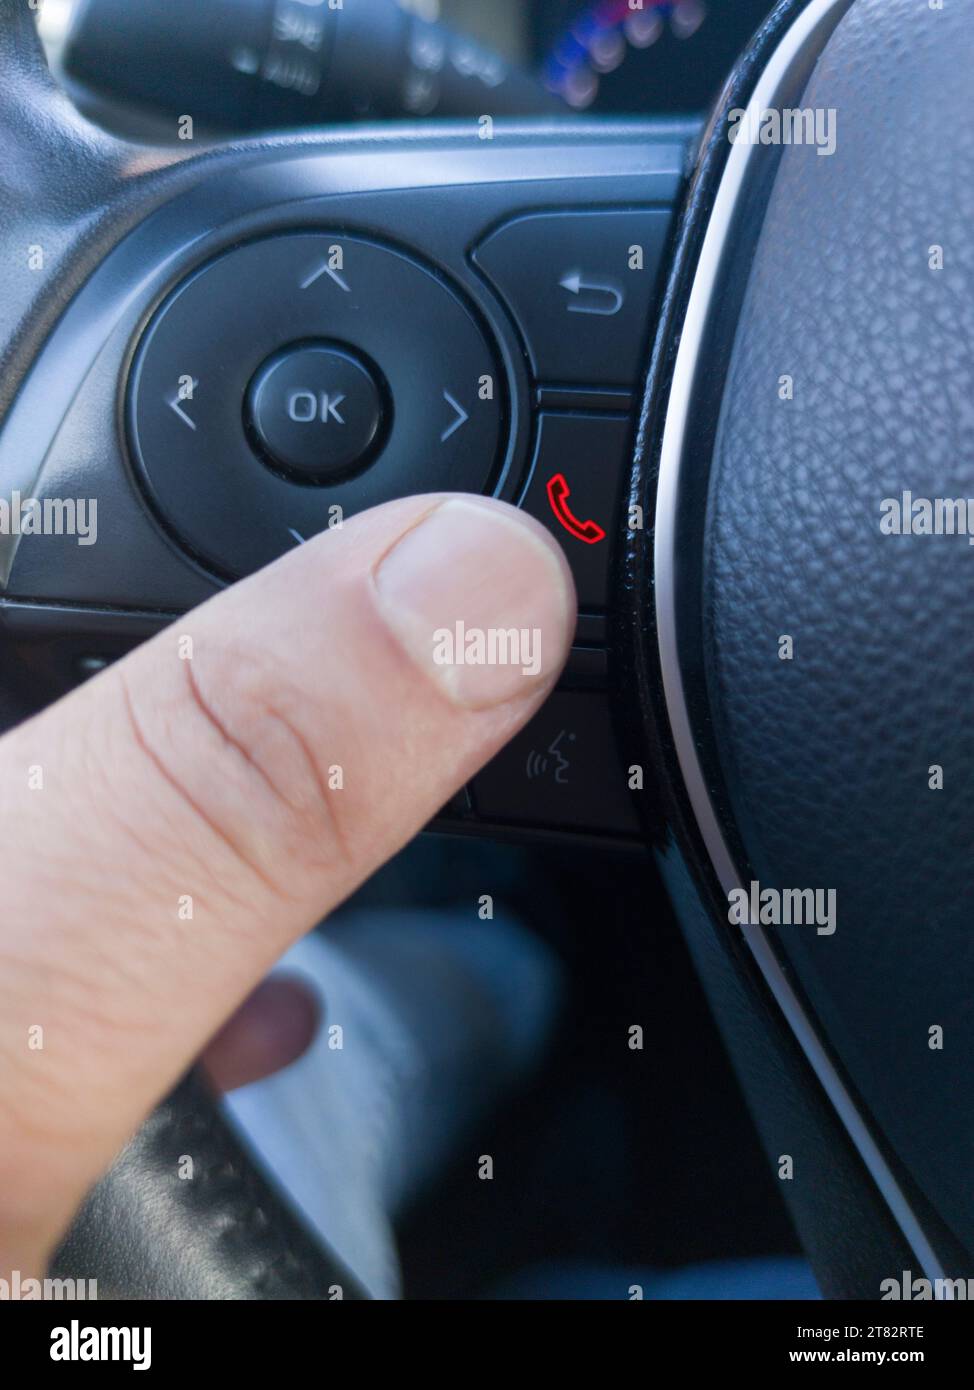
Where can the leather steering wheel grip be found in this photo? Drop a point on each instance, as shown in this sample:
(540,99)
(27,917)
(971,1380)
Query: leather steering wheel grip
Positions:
(60,179)
(816,270)
(184,1214)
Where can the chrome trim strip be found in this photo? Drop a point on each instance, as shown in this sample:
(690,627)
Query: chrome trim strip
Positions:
(812,27)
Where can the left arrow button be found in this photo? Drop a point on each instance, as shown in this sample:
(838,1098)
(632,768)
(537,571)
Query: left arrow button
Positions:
(176,404)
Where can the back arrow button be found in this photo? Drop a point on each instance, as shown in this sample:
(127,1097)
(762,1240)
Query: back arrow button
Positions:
(592,296)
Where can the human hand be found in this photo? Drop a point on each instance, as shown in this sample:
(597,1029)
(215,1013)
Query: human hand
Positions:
(174,825)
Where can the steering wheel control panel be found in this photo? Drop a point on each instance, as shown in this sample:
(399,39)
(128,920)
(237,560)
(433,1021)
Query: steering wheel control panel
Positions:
(299,379)
(301,362)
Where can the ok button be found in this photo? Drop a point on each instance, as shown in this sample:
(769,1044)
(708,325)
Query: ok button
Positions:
(315,412)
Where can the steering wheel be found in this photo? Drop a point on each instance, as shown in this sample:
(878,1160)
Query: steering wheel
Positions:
(724,367)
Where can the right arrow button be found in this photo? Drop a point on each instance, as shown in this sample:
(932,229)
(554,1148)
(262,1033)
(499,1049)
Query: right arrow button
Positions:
(460,417)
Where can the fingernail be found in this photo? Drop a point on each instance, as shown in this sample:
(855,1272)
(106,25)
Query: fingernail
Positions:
(481,601)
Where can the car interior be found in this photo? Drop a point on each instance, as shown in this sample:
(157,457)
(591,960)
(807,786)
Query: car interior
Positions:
(650,1010)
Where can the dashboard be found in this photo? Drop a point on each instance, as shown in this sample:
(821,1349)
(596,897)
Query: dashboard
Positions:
(615,56)
(135,65)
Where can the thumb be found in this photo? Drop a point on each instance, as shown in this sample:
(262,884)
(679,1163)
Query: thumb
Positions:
(205,801)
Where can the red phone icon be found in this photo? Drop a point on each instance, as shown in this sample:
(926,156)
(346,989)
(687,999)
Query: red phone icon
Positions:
(558,494)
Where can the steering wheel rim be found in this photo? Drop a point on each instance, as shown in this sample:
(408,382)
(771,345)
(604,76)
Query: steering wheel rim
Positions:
(725,289)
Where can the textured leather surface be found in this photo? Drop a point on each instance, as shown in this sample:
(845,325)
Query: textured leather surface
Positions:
(826,757)
(844,1226)
(183,1214)
(61,192)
